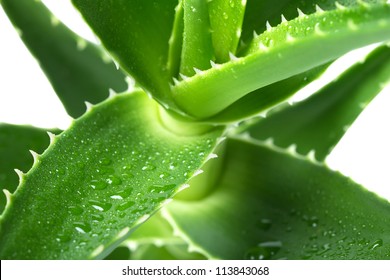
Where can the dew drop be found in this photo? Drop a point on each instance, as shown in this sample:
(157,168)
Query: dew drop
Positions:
(148,167)
(264,250)
(125,205)
(100,206)
(105,161)
(265,224)
(113,180)
(76,210)
(97,217)
(82,227)
(378,243)
(98,185)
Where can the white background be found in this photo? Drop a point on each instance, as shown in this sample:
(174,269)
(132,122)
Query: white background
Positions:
(27,98)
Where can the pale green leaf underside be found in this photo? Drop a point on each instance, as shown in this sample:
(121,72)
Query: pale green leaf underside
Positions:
(78,70)
(281,52)
(319,122)
(98,180)
(271,204)
(15,143)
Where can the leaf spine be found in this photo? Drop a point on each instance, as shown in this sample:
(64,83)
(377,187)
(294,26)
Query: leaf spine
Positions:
(88,105)
(300,13)
(183,77)
(35,156)
(319,9)
(339,6)
(8,197)
(52,137)
(268,25)
(232,57)
(197,71)
(283,18)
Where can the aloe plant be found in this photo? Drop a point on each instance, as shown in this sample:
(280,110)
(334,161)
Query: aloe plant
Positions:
(186,148)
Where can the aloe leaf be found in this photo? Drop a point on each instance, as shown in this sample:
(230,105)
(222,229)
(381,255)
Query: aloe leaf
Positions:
(105,175)
(197,44)
(319,122)
(226,20)
(259,12)
(281,52)
(176,41)
(136,34)
(273,204)
(78,70)
(264,99)
(15,143)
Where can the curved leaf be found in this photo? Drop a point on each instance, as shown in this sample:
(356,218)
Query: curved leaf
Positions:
(197,45)
(272,204)
(78,70)
(15,143)
(281,52)
(104,176)
(259,12)
(320,121)
(136,34)
(226,20)
(264,99)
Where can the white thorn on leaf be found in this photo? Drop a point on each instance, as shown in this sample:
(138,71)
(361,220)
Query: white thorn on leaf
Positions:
(300,13)
(283,18)
(130,83)
(214,65)
(319,9)
(97,251)
(111,93)
(175,81)
(211,156)
(88,106)
(292,149)
(232,57)
(116,64)
(20,174)
(263,47)
(197,71)
(255,35)
(7,196)
(19,31)
(268,25)
(183,77)
(123,233)
(312,156)
(52,137)
(197,172)
(339,6)
(35,156)
(269,142)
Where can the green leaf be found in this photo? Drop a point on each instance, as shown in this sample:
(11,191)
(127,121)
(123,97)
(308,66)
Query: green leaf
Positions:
(136,34)
(272,204)
(105,175)
(286,50)
(264,99)
(176,41)
(197,44)
(78,70)
(15,143)
(226,19)
(319,122)
(259,12)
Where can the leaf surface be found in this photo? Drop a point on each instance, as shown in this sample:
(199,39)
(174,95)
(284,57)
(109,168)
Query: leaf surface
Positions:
(320,121)
(15,143)
(78,70)
(286,50)
(136,34)
(272,204)
(105,175)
